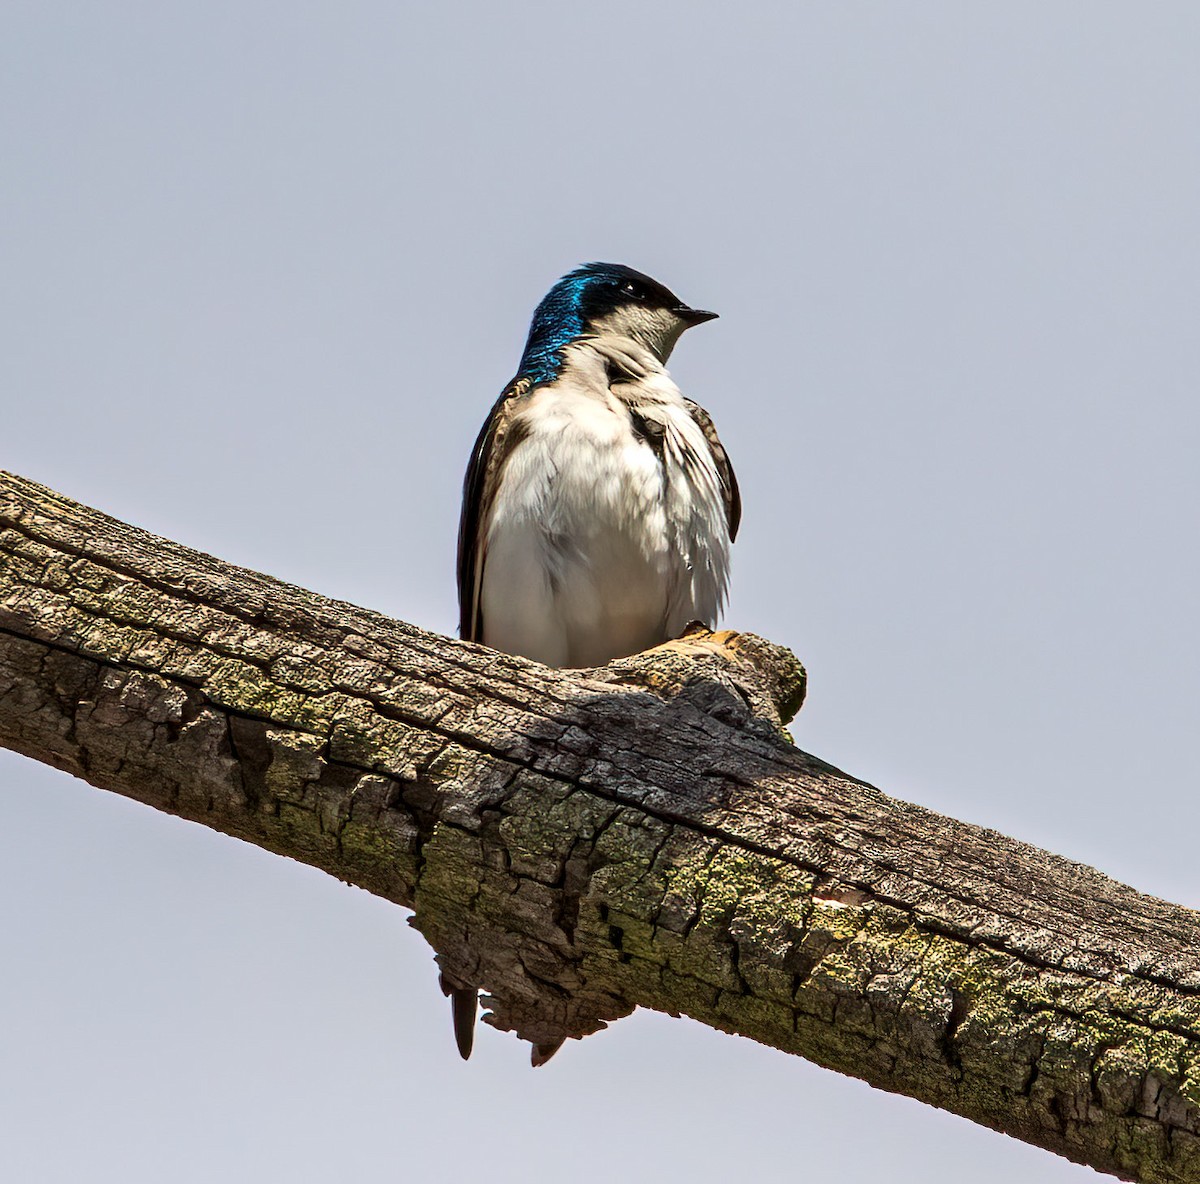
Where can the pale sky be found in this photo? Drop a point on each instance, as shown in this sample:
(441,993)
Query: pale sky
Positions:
(264,268)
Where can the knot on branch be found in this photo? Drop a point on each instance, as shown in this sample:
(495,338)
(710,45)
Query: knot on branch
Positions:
(740,677)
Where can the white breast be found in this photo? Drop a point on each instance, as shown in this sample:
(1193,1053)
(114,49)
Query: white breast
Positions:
(602,542)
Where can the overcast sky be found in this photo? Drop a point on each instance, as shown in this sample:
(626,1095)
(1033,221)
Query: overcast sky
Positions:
(264,268)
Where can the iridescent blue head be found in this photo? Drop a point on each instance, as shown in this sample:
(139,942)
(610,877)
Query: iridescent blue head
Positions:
(604,298)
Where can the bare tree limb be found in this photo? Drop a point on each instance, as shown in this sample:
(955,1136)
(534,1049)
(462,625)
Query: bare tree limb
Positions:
(581,844)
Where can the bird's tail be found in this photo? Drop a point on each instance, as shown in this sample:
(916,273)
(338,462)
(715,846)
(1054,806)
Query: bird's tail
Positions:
(464,1002)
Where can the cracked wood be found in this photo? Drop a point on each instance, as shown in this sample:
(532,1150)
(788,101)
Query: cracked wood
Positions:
(582,844)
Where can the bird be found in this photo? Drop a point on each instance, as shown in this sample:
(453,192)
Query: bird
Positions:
(599,504)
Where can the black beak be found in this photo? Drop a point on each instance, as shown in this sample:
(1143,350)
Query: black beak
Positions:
(693,316)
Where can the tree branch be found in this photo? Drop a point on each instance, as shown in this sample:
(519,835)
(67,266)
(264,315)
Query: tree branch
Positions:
(582,844)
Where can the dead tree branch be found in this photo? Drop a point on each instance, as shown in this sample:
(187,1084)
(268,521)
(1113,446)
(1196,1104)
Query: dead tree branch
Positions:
(583,844)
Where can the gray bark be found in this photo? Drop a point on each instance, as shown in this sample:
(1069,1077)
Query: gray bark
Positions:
(580,844)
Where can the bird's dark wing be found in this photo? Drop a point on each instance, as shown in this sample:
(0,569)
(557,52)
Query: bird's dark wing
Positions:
(496,440)
(729,485)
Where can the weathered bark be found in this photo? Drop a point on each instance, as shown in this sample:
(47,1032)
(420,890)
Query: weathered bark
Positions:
(581,844)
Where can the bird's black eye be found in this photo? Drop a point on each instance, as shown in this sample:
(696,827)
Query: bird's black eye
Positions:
(634,290)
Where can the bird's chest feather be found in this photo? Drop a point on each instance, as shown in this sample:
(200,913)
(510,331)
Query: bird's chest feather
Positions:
(585,478)
(606,534)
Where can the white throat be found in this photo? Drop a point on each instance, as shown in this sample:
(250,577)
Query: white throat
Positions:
(658,329)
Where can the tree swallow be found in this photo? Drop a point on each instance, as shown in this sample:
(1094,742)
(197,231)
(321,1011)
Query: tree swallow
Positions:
(599,505)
